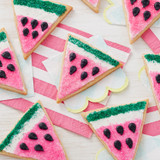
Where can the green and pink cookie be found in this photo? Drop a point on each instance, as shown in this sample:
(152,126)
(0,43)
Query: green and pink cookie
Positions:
(33,137)
(10,74)
(152,66)
(140,16)
(35,20)
(83,66)
(119,128)
(93,4)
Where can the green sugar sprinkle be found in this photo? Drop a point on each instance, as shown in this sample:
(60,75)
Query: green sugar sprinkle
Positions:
(27,116)
(95,52)
(152,57)
(106,113)
(3,36)
(47,6)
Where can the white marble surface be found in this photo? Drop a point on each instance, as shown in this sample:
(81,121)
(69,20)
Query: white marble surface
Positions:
(77,147)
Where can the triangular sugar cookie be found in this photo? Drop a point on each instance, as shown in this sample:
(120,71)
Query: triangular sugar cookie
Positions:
(35,20)
(33,137)
(83,66)
(152,67)
(140,15)
(93,4)
(119,128)
(10,74)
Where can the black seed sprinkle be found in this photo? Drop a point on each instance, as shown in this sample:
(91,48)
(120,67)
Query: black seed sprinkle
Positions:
(34,23)
(157,6)
(72,56)
(44,26)
(132,127)
(34,34)
(84,75)
(120,130)
(73,69)
(2,74)
(84,62)
(48,137)
(95,70)
(133,1)
(24,21)
(38,147)
(23,146)
(158,78)
(146,15)
(25,32)
(135,11)
(129,142)
(107,133)
(6,55)
(1,64)
(11,67)
(43,126)
(32,136)
(145,3)
(117,145)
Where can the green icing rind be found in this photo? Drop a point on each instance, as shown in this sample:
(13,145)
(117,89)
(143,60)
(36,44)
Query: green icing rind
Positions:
(47,6)
(106,113)
(3,36)
(27,116)
(152,58)
(95,52)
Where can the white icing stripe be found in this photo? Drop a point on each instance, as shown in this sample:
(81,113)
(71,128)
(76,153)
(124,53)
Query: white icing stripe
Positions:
(35,13)
(82,52)
(154,67)
(120,118)
(4,45)
(27,127)
(152,117)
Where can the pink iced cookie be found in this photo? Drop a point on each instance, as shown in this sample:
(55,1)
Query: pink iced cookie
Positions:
(141,14)
(10,74)
(34,137)
(119,128)
(83,66)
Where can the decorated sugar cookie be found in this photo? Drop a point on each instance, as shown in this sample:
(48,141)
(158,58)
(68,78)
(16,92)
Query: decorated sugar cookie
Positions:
(33,137)
(93,4)
(83,66)
(152,67)
(10,74)
(35,20)
(140,15)
(119,128)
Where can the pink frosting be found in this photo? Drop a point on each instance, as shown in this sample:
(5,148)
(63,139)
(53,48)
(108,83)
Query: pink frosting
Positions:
(71,83)
(137,24)
(155,85)
(13,77)
(125,153)
(52,149)
(93,2)
(28,42)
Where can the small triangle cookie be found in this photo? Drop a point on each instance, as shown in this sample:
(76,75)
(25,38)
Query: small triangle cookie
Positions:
(33,137)
(152,67)
(35,20)
(83,66)
(10,73)
(119,128)
(140,16)
(93,4)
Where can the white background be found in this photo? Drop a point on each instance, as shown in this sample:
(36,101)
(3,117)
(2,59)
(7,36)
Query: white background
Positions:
(77,147)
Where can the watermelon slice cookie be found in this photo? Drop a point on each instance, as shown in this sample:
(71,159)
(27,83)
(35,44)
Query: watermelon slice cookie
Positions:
(33,137)
(93,4)
(152,67)
(83,66)
(140,15)
(35,20)
(119,128)
(10,74)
